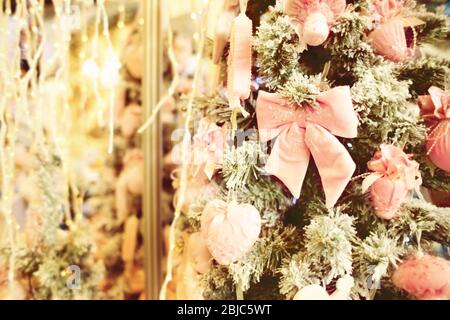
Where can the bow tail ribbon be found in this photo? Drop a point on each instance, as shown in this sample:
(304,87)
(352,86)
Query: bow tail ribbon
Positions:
(335,165)
(289,158)
(291,154)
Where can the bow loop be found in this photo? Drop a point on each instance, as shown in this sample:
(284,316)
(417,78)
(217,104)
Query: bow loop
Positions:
(274,115)
(338,114)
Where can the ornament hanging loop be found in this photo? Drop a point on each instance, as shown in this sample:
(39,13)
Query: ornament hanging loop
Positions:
(243,6)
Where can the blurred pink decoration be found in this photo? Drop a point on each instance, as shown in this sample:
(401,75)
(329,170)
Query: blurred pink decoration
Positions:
(425,277)
(303,131)
(188,279)
(389,40)
(314,18)
(133,56)
(130,182)
(435,109)
(130,120)
(134,170)
(230,230)
(199,185)
(240,61)
(208,147)
(395,175)
(388,9)
(198,253)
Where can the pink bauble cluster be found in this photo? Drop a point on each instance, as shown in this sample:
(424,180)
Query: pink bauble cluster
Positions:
(435,109)
(314,18)
(426,277)
(393,178)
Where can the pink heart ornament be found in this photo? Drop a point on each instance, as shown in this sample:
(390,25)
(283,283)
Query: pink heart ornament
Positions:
(230,230)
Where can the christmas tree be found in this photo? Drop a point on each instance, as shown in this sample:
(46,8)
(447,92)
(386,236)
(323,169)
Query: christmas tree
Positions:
(306,174)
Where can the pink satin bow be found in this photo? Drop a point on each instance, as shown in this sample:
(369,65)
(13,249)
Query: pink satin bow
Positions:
(302,131)
(392,162)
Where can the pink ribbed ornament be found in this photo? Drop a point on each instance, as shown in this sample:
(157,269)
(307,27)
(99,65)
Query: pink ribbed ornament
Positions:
(315,30)
(435,109)
(394,176)
(389,40)
(425,277)
(230,230)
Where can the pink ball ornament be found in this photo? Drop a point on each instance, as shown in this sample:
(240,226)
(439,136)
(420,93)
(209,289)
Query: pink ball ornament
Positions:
(387,196)
(230,230)
(315,29)
(425,277)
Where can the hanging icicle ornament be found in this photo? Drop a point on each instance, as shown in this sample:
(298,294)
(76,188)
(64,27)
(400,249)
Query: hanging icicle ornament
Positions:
(394,176)
(223,28)
(230,230)
(240,62)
